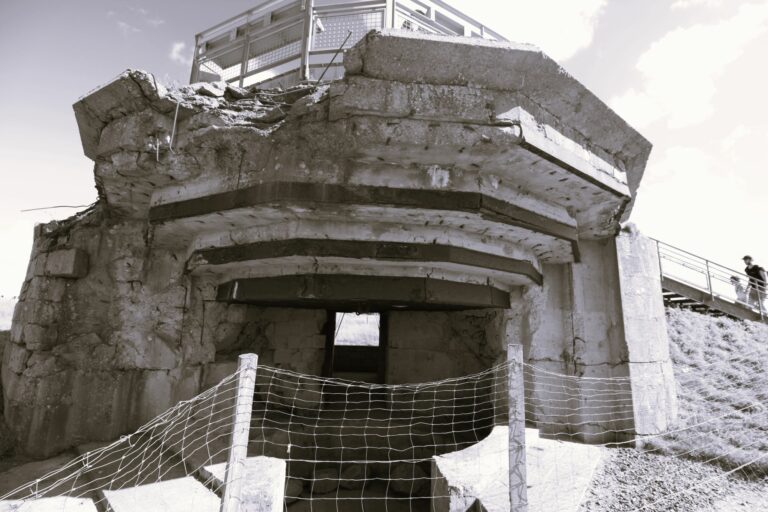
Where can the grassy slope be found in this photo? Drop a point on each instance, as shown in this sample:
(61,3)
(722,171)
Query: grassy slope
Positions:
(721,367)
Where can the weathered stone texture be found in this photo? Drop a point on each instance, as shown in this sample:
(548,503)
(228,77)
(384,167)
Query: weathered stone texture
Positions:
(69,263)
(88,331)
(430,346)
(119,316)
(645,329)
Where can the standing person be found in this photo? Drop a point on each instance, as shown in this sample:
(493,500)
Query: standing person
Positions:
(758,280)
(741,292)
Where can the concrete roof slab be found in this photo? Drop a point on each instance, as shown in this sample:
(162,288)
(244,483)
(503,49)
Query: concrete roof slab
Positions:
(564,103)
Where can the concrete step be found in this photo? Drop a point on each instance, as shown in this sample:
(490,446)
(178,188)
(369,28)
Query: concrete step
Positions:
(374,498)
(178,495)
(263,486)
(57,504)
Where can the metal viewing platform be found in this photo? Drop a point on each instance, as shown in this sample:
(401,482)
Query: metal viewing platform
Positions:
(284,42)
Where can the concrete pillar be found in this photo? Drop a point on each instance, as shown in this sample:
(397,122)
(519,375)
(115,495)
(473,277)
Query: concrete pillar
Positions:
(654,395)
(603,318)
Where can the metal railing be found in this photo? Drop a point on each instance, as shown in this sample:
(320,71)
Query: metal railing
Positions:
(284,42)
(712,278)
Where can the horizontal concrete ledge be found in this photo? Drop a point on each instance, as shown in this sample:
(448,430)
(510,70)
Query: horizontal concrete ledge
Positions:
(357,249)
(603,183)
(400,55)
(361,293)
(489,208)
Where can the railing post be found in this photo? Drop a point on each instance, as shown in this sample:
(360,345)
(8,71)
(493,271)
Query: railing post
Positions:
(244,59)
(658,253)
(195,73)
(241,419)
(518,484)
(306,41)
(709,281)
(389,14)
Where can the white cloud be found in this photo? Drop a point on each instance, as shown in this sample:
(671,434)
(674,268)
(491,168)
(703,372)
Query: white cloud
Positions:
(685,4)
(559,27)
(709,197)
(179,54)
(126,28)
(155,22)
(734,138)
(680,71)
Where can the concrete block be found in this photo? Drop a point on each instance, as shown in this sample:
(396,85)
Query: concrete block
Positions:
(136,349)
(49,289)
(15,357)
(400,56)
(154,396)
(213,373)
(39,264)
(479,474)
(67,263)
(654,397)
(57,504)
(131,91)
(17,327)
(131,134)
(365,96)
(39,337)
(41,312)
(263,485)
(178,495)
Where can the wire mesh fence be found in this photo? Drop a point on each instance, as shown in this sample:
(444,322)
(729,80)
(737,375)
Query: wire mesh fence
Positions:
(317,443)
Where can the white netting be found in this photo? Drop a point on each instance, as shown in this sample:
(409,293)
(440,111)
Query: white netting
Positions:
(179,442)
(348,441)
(359,446)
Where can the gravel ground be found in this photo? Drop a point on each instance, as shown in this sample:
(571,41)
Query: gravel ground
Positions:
(629,480)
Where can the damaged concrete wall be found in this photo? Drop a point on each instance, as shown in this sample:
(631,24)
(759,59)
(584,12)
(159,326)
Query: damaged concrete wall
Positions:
(95,345)
(428,346)
(429,180)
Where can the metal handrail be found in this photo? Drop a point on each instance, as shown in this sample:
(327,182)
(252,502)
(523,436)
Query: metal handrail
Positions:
(228,45)
(713,272)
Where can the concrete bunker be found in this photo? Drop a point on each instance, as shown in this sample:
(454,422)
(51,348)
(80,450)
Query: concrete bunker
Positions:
(469,207)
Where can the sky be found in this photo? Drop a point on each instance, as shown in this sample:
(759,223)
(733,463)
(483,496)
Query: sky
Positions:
(690,75)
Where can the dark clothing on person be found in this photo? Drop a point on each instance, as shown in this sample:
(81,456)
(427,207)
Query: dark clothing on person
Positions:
(755,275)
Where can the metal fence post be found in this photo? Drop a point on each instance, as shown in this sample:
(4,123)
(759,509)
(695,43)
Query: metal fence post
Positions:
(658,253)
(306,41)
(195,73)
(241,419)
(244,59)
(518,483)
(709,280)
(389,14)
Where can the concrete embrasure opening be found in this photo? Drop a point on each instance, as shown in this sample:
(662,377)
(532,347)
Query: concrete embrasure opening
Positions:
(358,351)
